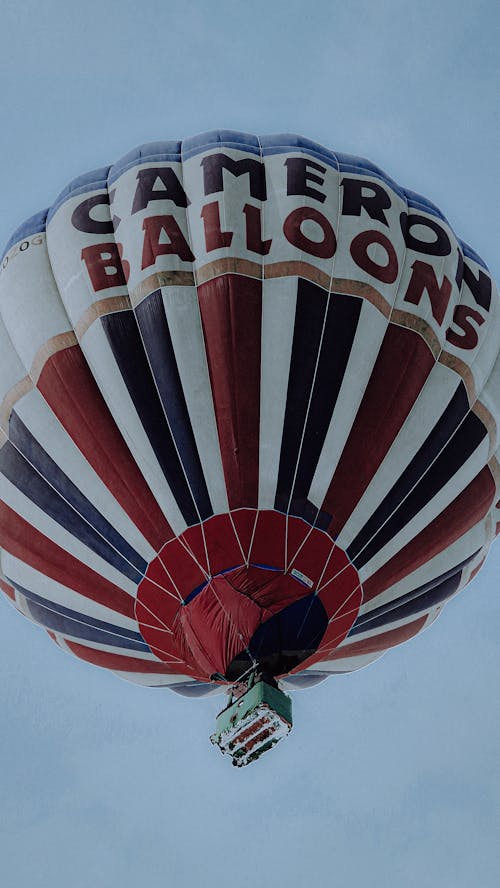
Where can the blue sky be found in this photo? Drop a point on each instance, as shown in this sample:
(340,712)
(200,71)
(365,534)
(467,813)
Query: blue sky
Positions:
(391,775)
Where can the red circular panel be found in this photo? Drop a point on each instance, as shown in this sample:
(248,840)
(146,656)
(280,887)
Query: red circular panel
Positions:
(208,590)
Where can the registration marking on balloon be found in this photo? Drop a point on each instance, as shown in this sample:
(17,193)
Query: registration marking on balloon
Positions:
(248,588)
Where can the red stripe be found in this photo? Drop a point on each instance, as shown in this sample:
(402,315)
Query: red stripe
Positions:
(231,308)
(118,662)
(9,591)
(69,388)
(29,545)
(402,366)
(244,523)
(463,513)
(268,544)
(476,570)
(179,564)
(378,642)
(221,543)
(154,606)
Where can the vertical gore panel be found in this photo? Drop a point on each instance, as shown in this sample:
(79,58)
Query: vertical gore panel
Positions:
(34,486)
(323,335)
(231,310)
(463,443)
(402,366)
(158,343)
(424,596)
(27,543)
(71,392)
(69,494)
(440,435)
(125,341)
(122,663)
(466,510)
(379,642)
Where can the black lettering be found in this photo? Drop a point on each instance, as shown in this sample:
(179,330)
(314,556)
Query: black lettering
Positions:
(83,221)
(214,164)
(440,246)
(298,175)
(158,183)
(367,196)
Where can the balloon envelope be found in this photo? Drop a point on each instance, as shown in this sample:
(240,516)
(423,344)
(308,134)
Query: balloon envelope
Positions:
(249,403)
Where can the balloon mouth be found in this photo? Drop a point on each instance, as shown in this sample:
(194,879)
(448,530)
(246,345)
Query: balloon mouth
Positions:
(245,589)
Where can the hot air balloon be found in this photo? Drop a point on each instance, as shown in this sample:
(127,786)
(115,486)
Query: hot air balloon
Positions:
(250,391)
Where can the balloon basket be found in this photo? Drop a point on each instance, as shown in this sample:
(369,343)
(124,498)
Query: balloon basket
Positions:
(253,723)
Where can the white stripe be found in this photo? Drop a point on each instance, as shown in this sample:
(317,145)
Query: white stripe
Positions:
(443,498)
(345,664)
(369,335)
(279,299)
(30,303)
(46,429)
(183,316)
(441,563)
(430,405)
(110,381)
(55,532)
(45,587)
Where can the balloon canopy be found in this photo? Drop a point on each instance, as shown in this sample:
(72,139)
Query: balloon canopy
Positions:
(250,391)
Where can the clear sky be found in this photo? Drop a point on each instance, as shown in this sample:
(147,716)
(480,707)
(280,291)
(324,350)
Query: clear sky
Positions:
(391,776)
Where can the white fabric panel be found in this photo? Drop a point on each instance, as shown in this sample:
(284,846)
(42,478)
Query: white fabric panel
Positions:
(432,401)
(350,226)
(159,681)
(61,537)
(279,299)
(11,367)
(442,562)
(346,664)
(183,315)
(115,392)
(446,495)
(65,244)
(26,576)
(45,428)
(371,328)
(30,303)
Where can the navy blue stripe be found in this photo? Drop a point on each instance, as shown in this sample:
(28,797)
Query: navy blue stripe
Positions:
(443,430)
(30,482)
(342,316)
(61,619)
(158,343)
(423,598)
(463,436)
(124,338)
(22,438)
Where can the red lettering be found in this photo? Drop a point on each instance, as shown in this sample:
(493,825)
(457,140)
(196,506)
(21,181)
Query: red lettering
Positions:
(423,278)
(292,229)
(105,265)
(359,251)
(468,338)
(215,239)
(154,228)
(254,231)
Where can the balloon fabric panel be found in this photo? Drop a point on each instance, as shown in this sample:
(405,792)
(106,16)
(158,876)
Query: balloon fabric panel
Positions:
(248,413)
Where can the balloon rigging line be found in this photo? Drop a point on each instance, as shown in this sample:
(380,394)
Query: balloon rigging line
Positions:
(75,510)
(236,535)
(397,287)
